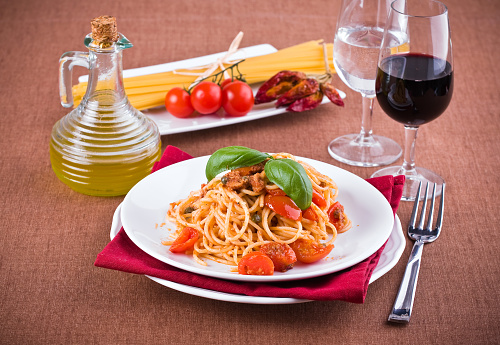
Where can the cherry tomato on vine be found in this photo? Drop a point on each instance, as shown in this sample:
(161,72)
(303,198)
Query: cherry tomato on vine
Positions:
(256,263)
(178,102)
(185,241)
(225,82)
(237,98)
(309,251)
(206,97)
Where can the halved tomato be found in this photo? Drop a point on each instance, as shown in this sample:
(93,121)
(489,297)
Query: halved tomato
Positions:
(281,254)
(185,241)
(256,263)
(283,205)
(337,216)
(318,199)
(309,251)
(310,214)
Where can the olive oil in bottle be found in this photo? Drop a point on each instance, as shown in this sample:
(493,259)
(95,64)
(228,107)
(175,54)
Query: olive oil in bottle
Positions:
(104,146)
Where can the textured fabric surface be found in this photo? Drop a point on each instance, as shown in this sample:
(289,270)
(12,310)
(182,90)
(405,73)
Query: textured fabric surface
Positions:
(50,291)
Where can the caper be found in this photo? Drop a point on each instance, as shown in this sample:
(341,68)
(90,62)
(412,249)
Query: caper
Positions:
(256,218)
(223,180)
(188,209)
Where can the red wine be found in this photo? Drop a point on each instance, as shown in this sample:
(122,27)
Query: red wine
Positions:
(414,88)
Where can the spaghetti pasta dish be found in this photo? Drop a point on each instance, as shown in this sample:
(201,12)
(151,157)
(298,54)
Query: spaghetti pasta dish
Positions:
(242,212)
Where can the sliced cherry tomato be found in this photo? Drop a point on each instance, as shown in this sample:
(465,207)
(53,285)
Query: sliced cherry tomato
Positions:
(310,214)
(178,102)
(283,205)
(309,251)
(281,254)
(206,97)
(256,263)
(237,98)
(185,241)
(275,191)
(337,216)
(318,199)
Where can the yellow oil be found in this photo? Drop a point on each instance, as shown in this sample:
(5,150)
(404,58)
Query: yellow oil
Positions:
(104,153)
(111,177)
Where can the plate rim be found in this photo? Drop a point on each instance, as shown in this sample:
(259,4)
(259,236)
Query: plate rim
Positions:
(275,278)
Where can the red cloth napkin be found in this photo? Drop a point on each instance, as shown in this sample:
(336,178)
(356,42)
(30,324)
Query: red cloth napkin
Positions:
(349,285)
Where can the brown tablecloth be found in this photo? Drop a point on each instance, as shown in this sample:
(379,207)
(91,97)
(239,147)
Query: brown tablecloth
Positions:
(50,292)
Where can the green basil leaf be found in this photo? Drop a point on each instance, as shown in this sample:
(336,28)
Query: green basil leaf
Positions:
(232,157)
(292,178)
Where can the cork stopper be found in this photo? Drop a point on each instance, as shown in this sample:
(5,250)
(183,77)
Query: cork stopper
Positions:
(104,31)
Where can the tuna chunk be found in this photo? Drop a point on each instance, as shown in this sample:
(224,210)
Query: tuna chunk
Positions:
(257,182)
(246,177)
(235,181)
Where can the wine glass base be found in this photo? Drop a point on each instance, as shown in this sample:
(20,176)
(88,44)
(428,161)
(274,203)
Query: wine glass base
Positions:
(413,179)
(372,151)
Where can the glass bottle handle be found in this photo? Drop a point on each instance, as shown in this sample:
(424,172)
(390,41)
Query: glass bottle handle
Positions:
(66,63)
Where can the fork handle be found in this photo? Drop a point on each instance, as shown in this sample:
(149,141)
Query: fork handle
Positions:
(403,304)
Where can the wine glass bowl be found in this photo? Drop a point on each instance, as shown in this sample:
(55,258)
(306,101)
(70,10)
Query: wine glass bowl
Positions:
(356,46)
(414,85)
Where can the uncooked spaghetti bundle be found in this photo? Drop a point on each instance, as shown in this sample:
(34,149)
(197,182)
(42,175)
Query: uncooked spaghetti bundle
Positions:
(148,91)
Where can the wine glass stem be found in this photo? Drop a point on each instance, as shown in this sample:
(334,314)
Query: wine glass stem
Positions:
(365,136)
(409,153)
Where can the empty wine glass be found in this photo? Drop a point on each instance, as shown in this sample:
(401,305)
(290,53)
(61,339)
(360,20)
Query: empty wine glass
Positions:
(358,36)
(414,85)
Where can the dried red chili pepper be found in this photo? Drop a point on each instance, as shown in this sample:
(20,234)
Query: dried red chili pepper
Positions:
(279,89)
(332,94)
(306,103)
(303,89)
(271,89)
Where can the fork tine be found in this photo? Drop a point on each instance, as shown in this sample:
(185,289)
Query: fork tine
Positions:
(439,220)
(422,211)
(431,209)
(413,217)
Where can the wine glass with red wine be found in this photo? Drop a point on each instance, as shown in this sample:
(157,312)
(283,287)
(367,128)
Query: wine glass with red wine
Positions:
(414,82)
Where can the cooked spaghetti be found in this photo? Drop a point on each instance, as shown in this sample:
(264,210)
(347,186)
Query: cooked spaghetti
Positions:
(232,223)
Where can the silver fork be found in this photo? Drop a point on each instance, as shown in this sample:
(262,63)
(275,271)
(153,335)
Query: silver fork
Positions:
(403,304)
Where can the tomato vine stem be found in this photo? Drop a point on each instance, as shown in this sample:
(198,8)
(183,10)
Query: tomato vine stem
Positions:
(219,76)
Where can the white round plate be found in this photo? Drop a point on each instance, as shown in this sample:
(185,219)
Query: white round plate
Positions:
(388,259)
(145,206)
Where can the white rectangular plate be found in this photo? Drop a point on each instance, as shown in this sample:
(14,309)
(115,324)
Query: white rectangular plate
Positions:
(169,124)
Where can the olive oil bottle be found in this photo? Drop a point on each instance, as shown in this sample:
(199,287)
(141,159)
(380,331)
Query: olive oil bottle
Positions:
(104,146)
